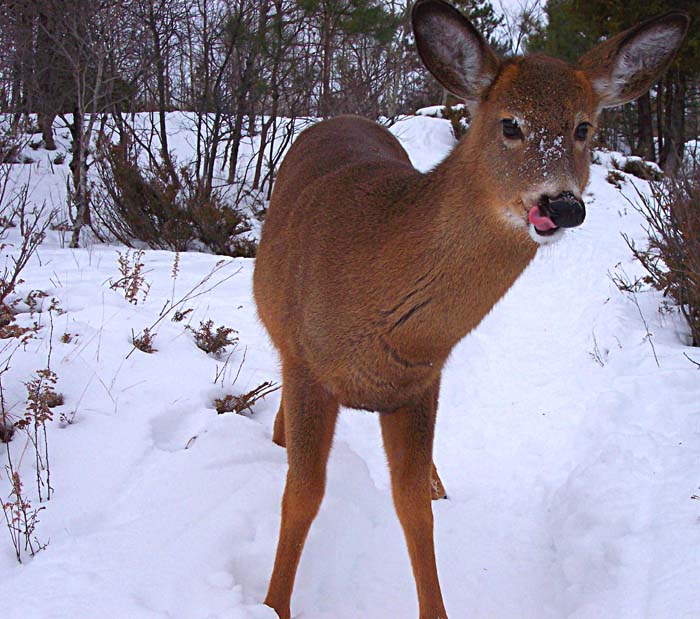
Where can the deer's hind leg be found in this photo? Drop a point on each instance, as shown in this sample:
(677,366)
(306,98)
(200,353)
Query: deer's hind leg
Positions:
(309,413)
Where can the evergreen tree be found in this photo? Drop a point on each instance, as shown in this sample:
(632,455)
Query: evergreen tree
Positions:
(482,14)
(336,18)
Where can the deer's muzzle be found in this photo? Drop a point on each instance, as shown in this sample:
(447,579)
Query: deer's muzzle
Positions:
(565,210)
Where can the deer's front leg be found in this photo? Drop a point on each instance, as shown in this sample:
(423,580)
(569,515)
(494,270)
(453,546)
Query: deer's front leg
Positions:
(408,440)
(306,423)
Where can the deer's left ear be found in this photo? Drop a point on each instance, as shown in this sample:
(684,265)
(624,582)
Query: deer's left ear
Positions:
(625,66)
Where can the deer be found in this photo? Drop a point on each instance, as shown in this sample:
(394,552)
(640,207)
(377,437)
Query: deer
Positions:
(369,272)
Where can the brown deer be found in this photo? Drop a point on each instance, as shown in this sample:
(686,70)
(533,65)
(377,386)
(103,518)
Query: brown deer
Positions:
(369,272)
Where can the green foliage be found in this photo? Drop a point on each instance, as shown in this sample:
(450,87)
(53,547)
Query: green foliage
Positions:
(482,14)
(566,35)
(575,26)
(363,17)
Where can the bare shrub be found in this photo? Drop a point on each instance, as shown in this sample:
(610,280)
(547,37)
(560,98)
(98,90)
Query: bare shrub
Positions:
(166,209)
(34,300)
(144,341)
(131,281)
(179,316)
(672,256)
(636,166)
(630,287)
(7,426)
(244,402)
(10,150)
(213,341)
(133,206)
(21,518)
(10,331)
(13,140)
(33,221)
(459,118)
(615,178)
(642,169)
(216,224)
(41,398)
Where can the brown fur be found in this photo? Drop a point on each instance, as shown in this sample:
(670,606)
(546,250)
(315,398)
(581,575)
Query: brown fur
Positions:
(369,272)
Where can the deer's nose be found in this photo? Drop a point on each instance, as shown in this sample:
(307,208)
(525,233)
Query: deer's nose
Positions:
(565,210)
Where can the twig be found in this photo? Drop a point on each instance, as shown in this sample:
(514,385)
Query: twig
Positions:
(622,283)
(692,360)
(245,350)
(646,327)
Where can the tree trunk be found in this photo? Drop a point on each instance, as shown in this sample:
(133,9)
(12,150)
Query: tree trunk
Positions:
(45,121)
(158,53)
(235,144)
(49,90)
(327,50)
(261,152)
(674,125)
(645,129)
(659,118)
(78,170)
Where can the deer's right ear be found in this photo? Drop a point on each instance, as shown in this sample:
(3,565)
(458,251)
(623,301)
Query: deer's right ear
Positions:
(452,50)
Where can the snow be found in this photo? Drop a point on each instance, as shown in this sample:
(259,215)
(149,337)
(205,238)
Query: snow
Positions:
(437,111)
(568,455)
(427,140)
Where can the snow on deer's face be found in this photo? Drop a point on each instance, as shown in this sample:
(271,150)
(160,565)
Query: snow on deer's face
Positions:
(536,123)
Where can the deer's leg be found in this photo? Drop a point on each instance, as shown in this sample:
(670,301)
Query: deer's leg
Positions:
(310,413)
(278,436)
(408,440)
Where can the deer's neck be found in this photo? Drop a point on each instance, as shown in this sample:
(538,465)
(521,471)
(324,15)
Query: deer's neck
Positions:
(472,256)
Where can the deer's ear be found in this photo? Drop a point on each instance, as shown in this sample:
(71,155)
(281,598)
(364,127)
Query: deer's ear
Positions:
(625,66)
(452,50)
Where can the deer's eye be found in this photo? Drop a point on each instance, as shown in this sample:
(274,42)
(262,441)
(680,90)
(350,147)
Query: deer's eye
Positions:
(511,130)
(581,133)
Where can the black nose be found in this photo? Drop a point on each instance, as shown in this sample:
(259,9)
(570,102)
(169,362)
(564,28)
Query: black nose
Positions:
(566,210)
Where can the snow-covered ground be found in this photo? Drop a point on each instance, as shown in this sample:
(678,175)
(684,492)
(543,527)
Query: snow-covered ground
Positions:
(570,457)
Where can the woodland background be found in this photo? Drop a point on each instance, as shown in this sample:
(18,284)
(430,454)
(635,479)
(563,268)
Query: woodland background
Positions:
(255,71)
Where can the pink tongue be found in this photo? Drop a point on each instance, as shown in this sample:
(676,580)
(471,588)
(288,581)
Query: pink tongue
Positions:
(541,222)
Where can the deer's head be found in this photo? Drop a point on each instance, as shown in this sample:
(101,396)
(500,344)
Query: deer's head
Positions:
(533,117)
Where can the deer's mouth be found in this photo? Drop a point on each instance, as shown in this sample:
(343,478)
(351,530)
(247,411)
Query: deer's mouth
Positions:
(542,223)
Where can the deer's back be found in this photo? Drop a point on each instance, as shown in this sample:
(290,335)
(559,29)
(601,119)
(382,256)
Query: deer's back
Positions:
(337,235)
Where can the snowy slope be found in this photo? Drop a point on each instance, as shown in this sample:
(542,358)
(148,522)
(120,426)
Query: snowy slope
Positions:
(568,455)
